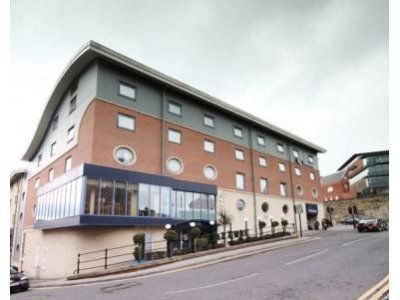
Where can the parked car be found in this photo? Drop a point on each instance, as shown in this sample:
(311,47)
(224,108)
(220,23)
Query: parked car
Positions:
(19,281)
(372,224)
(349,221)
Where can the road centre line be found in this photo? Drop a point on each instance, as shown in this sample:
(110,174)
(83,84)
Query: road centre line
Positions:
(211,285)
(305,257)
(349,243)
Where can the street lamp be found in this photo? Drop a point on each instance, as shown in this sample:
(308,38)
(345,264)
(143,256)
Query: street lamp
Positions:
(168,226)
(192,224)
(212,222)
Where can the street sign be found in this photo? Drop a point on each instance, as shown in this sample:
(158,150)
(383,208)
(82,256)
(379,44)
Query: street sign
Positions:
(298,209)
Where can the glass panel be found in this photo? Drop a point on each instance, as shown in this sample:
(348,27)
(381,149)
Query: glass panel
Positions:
(189,205)
(173,204)
(62,199)
(165,201)
(154,200)
(127,90)
(53,205)
(38,205)
(174,136)
(126,122)
(211,207)
(132,199)
(106,197)
(57,204)
(197,206)
(144,199)
(73,197)
(120,193)
(204,206)
(68,200)
(180,205)
(175,109)
(78,197)
(92,194)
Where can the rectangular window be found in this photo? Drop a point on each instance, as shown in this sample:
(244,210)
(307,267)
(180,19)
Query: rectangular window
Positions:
(127,90)
(297,171)
(239,154)
(39,159)
(175,108)
(295,153)
(51,174)
(55,123)
(282,167)
(126,122)
(209,146)
(53,149)
(264,185)
(262,161)
(70,134)
(238,132)
(154,200)
(208,121)
(282,188)
(174,136)
(144,194)
(240,181)
(68,164)
(312,176)
(280,148)
(72,105)
(330,189)
(261,140)
(37,182)
(310,159)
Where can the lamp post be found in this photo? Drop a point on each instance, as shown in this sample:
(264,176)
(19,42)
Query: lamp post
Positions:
(213,233)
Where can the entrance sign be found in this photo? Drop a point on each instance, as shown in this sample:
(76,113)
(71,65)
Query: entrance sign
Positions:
(298,209)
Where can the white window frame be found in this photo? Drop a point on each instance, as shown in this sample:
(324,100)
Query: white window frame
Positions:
(283,189)
(120,122)
(209,146)
(71,133)
(68,163)
(240,181)
(295,153)
(312,176)
(282,167)
(51,174)
(280,148)
(239,154)
(53,148)
(330,189)
(265,190)
(297,171)
(310,159)
(262,161)
(37,182)
(172,133)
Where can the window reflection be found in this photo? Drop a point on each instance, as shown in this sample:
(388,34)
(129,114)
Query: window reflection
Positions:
(106,195)
(132,198)
(120,193)
(143,199)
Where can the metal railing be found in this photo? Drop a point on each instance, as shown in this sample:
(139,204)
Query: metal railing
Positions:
(124,255)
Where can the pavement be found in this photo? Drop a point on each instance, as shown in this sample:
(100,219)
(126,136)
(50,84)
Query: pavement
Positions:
(178,265)
(333,264)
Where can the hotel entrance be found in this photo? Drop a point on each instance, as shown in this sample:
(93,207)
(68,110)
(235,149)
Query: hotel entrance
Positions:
(312,214)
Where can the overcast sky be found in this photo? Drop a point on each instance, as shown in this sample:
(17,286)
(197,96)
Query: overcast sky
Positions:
(316,68)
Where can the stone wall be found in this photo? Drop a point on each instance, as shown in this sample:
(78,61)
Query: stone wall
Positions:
(375,206)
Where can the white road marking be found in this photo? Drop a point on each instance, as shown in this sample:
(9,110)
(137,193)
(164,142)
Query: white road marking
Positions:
(349,243)
(305,257)
(211,285)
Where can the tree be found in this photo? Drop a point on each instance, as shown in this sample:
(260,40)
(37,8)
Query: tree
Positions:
(273,225)
(225,220)
(139,240)
(171,236)
(284,223)
(261,225)
(194,234)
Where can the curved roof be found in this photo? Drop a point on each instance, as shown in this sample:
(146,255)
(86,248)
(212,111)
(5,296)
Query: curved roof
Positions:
(93,50)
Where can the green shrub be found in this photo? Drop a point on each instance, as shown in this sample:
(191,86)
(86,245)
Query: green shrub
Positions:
(274,223)
(195,232)
(284,222)
(171,235)
(201,242)
(139,238)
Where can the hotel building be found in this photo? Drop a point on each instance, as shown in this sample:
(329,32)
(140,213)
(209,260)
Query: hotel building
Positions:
(122,149)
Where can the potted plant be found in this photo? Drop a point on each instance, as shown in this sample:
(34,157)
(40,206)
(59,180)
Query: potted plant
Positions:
(170,236)
(225,220)
(194,234)
(273,225)
(284,224)
(261,225)
(139,240)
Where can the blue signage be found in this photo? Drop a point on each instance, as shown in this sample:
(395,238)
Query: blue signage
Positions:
(311,209)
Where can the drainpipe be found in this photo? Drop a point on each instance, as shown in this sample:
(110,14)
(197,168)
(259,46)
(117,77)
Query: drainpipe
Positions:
(292,189)
(163,132)
(253,181)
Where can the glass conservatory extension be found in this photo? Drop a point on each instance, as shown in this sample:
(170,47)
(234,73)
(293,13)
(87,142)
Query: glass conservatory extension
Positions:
(101,196)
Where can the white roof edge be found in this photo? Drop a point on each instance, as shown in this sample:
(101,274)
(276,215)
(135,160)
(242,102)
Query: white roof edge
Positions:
(116,56)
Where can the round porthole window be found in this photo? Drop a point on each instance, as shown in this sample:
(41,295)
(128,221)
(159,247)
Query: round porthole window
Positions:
(285,209)
(264,207)
(124,155)
(210,172)
(240,204)
(299,190)
(314,193)
(175,165)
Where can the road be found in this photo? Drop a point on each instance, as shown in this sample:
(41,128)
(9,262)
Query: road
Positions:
(341,265)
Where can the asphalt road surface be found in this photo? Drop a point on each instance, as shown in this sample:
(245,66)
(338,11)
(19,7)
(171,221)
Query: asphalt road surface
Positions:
(341,265)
